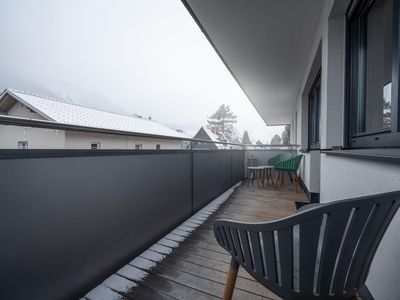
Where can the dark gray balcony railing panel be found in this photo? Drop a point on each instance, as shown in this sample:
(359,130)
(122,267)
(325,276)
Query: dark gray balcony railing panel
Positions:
(237,166)
(210,176)
(67,223)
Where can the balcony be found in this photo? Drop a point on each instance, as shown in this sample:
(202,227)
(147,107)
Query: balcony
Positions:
(189,264)
(142,217)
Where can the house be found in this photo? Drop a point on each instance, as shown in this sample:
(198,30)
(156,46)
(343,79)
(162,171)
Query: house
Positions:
(209,135)
(34,107)
(330,69)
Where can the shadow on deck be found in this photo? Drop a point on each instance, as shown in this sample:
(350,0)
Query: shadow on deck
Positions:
(189,264)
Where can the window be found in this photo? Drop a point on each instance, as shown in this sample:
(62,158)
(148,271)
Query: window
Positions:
(22,145)
(158,146)
(95,146)
(372,94)
(314,99)
(138,146)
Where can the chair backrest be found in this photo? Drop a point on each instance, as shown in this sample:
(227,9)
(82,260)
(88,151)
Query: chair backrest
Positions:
(323,252)
(278,158)
(252,161)
(290,165)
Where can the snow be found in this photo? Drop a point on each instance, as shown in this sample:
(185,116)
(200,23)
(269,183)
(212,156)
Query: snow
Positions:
(66,113)
(102,292)
(143,263)
(154,256)
(132,273)
(180,232)
(119,284)
(168,243)
(175,237)
(216,138)
(161,249)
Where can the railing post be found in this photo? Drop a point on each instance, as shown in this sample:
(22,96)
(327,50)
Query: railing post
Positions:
(192,180)
(231,167)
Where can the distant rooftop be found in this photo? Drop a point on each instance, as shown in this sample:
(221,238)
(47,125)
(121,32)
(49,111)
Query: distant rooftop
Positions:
(59,111)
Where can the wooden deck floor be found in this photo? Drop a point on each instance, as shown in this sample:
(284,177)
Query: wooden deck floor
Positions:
(196,269)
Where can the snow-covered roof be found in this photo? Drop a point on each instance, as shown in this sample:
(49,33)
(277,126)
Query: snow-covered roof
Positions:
(216,138)
(66,113)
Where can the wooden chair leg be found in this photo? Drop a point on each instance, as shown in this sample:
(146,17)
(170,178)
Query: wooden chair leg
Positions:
(272,179)
(231,279)
(296,181)
(276,179)
(290,177)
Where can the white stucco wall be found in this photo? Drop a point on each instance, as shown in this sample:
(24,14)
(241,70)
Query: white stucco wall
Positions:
(82,140)
(20,110)
(343,178)
(37,138)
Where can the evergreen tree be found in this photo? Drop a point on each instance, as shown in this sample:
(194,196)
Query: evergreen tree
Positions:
(222,121)
(286,135)
(246,138)
(276,140)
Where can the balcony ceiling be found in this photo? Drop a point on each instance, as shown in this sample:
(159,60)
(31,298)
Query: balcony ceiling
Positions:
(265,44)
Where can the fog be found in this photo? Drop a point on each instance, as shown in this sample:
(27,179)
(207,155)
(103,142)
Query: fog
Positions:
(143,57)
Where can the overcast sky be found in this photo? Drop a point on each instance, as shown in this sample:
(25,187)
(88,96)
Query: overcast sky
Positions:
(146,57)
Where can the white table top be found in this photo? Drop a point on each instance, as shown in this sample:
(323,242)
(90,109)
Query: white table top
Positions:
(260,167)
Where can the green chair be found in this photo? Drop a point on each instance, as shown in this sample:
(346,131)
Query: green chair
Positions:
(290,166)
(280,157)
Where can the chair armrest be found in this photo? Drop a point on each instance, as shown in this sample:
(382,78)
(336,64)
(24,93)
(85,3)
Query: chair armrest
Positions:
(308,206)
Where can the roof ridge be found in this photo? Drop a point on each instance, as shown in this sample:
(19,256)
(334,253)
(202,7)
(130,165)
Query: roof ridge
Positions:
(80,105)
(136,119)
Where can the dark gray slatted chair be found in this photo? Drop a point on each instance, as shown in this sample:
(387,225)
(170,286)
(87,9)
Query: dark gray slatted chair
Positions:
(322,252)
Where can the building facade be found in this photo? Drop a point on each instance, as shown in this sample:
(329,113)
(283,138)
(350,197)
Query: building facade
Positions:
(26,106)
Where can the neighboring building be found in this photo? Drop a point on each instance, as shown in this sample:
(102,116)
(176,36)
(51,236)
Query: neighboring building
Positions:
(207,134)
(326,68)
(23,105)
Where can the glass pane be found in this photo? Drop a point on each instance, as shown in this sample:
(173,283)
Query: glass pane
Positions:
(378,68)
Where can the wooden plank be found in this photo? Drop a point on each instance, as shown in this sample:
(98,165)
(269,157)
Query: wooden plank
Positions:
(164,285)
(189,264)
(195,282)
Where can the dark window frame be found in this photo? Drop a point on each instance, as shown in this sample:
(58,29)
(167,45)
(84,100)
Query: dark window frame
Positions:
(94,145)
(381,138)
(23,145)
(314,114)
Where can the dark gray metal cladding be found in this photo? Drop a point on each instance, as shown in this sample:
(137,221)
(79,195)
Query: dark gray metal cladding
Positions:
(336,243)
(214,171)
(69,219)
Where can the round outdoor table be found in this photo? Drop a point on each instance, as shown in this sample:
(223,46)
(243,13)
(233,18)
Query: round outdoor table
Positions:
(267,172)
(259,173)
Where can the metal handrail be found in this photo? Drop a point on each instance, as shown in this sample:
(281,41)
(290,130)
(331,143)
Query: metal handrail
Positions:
(19,121)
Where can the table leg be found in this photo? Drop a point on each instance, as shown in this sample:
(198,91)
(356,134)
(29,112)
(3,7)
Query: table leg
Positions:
(272,178)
